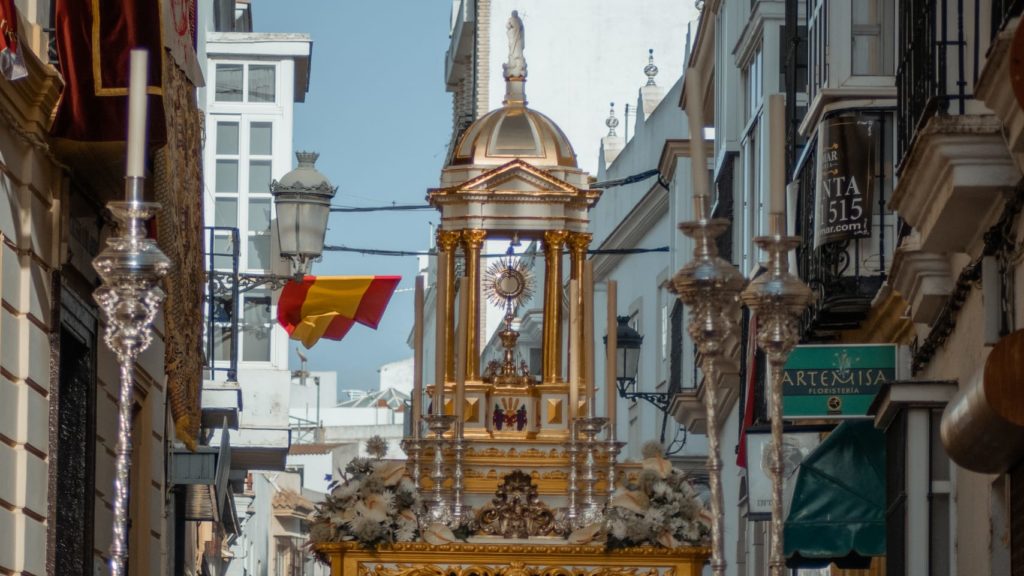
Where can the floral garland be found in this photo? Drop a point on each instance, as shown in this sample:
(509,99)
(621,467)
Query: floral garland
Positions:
(662,509)
(375,503)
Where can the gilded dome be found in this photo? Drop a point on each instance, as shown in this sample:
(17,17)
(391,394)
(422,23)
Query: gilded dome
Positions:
(510,132)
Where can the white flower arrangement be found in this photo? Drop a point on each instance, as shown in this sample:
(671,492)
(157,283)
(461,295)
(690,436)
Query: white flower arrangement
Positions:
(662,509)
(374,503)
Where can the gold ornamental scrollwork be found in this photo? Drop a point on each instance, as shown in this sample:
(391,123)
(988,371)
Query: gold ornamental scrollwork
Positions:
(447,240)
(510,569)
(516,511)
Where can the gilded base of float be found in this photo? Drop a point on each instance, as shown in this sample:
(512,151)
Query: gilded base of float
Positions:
(500,559)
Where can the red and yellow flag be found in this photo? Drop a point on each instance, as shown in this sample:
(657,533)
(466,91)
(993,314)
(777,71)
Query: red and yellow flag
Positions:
(327,306)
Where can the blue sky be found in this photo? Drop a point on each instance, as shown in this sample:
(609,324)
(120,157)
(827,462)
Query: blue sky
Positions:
(378,113)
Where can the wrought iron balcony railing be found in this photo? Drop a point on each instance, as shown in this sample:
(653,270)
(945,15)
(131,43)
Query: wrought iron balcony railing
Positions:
(932,76)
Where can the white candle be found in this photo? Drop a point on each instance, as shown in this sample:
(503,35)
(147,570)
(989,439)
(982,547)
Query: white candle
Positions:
(777,153)
(574,351)
(588,337)
(698,158)
(440,321)
(417,375)
(460,358)
(137,115)
(611,370)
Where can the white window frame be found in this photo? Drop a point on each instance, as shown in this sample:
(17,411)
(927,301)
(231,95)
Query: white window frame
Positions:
(245,64)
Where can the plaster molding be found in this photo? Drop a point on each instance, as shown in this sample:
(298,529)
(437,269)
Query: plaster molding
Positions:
(954,180)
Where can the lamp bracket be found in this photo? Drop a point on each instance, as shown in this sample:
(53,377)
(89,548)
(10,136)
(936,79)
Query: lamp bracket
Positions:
(224,282)
(627,391)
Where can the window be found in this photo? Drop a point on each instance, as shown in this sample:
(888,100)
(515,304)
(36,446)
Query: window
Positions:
(229,82)
(754,77)
(873,37)
(239,82)
(261,82)
(259,199)
(256,327)
(243,171)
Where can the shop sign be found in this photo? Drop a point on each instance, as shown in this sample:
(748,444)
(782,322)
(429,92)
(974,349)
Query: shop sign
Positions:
(846,178)
(796,445)
(826,381)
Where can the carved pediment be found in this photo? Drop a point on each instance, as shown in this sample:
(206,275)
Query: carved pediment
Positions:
(516,511)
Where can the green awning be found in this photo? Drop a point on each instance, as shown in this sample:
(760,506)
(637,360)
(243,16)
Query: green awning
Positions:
(838,509)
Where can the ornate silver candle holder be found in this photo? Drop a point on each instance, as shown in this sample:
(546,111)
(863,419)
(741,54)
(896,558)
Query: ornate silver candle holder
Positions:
(440,510)
(413,449)
(779,299)
(130,267)
(710,286)
(612,449)
(572,450)
(459,509)
(591,511)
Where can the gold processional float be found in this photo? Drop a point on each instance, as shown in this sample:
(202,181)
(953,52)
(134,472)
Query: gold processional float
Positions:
(509,480)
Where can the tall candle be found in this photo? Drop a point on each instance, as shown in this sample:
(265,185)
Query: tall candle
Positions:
(417,374)
(698,157)
(137,116)
(588,337)
(440,322)
(611,370)
(460,356)
(574,351)
(777,153)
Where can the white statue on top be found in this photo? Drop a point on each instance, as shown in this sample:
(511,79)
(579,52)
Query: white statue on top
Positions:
(516,65)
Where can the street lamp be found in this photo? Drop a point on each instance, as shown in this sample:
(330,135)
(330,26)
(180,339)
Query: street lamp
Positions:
(627,351)
(303,201)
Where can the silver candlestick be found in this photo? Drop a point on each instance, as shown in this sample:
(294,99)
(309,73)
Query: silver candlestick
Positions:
(413,448)
(572,450)
(440,510)
(130,267)
(778,298)
(612,449)
(710,286)
(591,511)
(458,448)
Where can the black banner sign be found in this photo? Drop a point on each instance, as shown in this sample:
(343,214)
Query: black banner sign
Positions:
(846,179)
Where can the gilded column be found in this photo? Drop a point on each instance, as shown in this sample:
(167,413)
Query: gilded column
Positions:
(447,241)
(552,352)
(578,243)
(472,240)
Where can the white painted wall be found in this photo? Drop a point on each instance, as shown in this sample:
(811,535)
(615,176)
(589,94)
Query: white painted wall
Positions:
(397,375)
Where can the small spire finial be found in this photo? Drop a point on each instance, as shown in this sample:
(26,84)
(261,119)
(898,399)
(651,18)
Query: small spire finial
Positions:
(611,122)
(650,70)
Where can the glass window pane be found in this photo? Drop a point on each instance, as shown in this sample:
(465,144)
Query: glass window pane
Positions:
(227,138)
(221,343)
(229,83)
(225,212)
(259,176)
(259,215)
(259,252)
(222,252)
(260,138)
(256,329)
(227,176)
(261,83)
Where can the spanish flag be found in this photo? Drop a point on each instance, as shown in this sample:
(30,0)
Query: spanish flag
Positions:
(327,306)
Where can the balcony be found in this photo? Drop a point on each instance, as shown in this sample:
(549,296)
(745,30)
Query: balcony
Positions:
(954,165)
(845,275)
(994,86)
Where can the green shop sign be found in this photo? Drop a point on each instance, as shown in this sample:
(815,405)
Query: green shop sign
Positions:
(821,381)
